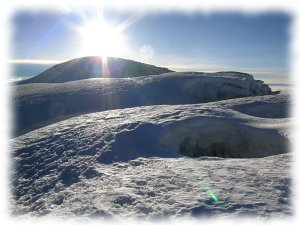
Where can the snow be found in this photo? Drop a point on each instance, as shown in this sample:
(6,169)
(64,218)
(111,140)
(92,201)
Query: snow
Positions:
(130,162)
(40,104)
(169,146)
(155,188)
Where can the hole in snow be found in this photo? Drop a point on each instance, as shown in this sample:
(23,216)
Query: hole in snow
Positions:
(222,138)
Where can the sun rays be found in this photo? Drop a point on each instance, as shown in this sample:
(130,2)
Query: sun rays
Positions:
(101,38)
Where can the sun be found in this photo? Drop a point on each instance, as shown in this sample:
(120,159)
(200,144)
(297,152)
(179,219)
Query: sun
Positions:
(101,38)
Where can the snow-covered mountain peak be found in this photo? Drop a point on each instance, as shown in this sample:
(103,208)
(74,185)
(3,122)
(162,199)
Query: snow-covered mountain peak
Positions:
(94,67)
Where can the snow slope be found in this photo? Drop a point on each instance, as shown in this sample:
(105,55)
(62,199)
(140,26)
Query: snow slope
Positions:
(37,105)
(129,162)
(94,67)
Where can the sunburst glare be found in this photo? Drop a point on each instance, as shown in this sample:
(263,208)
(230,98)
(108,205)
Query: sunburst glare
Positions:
(102,38)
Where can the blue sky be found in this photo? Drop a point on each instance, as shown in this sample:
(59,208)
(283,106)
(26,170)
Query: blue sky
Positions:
(257,44)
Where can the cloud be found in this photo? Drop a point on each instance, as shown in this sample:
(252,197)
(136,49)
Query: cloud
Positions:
(15,79)
(196,67)
(33,61)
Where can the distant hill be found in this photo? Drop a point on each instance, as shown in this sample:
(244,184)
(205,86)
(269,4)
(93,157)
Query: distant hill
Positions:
(94,67)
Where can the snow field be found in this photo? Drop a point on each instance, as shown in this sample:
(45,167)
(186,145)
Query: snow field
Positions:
(129,163)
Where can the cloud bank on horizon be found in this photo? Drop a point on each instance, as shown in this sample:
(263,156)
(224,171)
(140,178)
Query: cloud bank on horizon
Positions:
(256,44)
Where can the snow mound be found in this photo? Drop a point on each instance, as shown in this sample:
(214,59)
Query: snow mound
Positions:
(37,105)
(266,109)
(211,129)
(279,107)
(94,67)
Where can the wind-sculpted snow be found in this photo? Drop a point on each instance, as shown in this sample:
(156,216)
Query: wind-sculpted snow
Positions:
(37,105)
(129,163)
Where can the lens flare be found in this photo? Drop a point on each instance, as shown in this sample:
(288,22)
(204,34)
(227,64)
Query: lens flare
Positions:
(207,189)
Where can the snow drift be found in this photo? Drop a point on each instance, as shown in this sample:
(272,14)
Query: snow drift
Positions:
(94,67)
(94,165)
(37,105)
